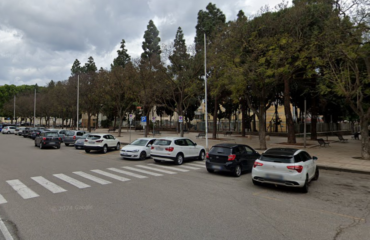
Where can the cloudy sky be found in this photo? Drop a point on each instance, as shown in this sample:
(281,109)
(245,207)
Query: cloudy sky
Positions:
(40,39)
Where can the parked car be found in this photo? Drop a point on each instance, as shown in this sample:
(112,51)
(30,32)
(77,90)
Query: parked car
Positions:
(8,130)
(80,142)
(285,166)
(138,149)
(48,139)
(62,132)
(27,132)
(176,149)
(19,131)
(101,142)
(71,136)
(231,157)
(34,133)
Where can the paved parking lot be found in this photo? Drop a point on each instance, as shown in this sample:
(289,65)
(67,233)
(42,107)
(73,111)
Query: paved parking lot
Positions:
(69,194)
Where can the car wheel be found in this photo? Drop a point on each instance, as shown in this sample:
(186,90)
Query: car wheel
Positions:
(304,189)
(179,159)
(237,171)
(202,155)
(157,161)
(87,150)
(118,146)
(143,155)
(41,146)
(317,173)
(67,144)
(210,170)
(105,149)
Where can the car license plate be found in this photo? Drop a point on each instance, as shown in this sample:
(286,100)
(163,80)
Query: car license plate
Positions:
(91,142)
(51,142)
(159,149)
(274,176)
(124,154)
(216,167)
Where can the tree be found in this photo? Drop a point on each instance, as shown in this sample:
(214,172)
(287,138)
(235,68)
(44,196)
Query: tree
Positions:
(123,57)
(76,68)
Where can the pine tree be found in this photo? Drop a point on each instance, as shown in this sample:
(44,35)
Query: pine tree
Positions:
(123,57)
(90,65)
(76,68)
(151,44)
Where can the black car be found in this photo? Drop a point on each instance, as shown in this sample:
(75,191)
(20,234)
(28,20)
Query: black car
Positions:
(48,139)
(33,134)
(229,157)
(27,131)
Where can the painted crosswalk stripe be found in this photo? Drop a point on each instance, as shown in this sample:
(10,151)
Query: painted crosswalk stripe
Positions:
(195,165)
(202,163)
(22,189)
(107,174)
(156,169)
(5,231)
(52,187)
(2,199)
(127,173)
(71,181)
(170,168)
(188,167)
(92,178)
(143,171)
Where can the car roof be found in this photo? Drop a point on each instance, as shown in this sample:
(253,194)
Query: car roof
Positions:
(228,145)
(172,138)
(145,139)
(287,152)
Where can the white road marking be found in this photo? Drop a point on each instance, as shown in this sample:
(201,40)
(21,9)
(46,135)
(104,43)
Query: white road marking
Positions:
(143,171)
(167,167)
(156,169)
(188,167)
(107,174)
(5,231)
(127,173)
(71,181)
(196,165)
(52,187)
(22,189)
(2,199)
(92,178)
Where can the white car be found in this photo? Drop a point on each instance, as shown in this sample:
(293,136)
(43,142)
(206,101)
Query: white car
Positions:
(176,149)
(101,142)
(285,166)
(138,149)
(8,130)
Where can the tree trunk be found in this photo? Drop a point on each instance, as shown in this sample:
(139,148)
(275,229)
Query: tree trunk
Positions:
(314,115)
(365,138)
(243,120)
(288,112)
(262,127)
(120,126)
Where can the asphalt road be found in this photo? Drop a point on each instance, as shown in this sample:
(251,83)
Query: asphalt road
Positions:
(183,203)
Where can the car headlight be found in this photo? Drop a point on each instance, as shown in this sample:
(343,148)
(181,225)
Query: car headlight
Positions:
(136,150)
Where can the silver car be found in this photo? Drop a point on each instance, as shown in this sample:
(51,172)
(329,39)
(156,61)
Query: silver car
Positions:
(71,136)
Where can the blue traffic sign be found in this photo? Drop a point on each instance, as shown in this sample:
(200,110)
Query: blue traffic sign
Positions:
(143,119)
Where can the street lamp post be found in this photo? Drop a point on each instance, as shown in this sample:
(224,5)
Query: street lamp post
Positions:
(205,92)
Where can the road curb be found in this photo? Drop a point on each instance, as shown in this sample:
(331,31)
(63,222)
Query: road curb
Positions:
(343,169)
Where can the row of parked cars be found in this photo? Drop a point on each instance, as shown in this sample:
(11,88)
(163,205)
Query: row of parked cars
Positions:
(278,166)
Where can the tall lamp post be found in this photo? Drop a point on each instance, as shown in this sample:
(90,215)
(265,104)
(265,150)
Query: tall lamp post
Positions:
(78,98)
(14,109)
(205,92)
(34,111)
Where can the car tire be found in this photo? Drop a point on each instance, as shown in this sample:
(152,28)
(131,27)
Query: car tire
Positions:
(41,146)
(317,173)
(118,146)
(105,149)
(143,155)
(202,155)
(76,147)
(87,150)
(179,159)
(237,171)
(210,170)
(67,144)
(304,189)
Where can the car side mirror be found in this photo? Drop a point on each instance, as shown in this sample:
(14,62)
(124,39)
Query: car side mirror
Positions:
(195,144)
(314,158)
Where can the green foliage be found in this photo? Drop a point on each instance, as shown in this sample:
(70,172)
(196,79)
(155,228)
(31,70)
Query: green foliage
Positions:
(123,57)
(151,44)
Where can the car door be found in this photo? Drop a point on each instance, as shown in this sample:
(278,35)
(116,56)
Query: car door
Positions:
(148,146)
(192,149)
(113,141)
(309,162)
(250,157)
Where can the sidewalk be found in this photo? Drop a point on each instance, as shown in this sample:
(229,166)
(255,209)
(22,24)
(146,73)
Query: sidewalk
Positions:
(336,156)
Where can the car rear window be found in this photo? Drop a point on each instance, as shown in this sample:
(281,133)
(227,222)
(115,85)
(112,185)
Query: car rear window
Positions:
(220,151)
(280,159)
(162,142)
(70,133)
(51,134)
(93,137)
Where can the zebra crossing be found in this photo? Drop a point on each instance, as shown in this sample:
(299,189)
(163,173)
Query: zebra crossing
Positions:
(123,174)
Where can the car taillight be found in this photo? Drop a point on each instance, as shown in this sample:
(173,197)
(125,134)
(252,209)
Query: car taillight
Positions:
(170,149)
(86,140)
(152,147)
(231,157)
(257,164)
(207,156)
(44,138)
(298,168)
(59,139)
(74,137)
(99,140)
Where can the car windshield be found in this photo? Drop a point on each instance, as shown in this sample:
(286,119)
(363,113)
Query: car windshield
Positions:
(70,133)
(139,142)
(51,134)
(220,151)
(93,137)
(162,142)
(280,159)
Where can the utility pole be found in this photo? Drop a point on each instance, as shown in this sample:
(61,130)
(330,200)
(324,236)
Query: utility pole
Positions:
(205,92)
(78,96)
